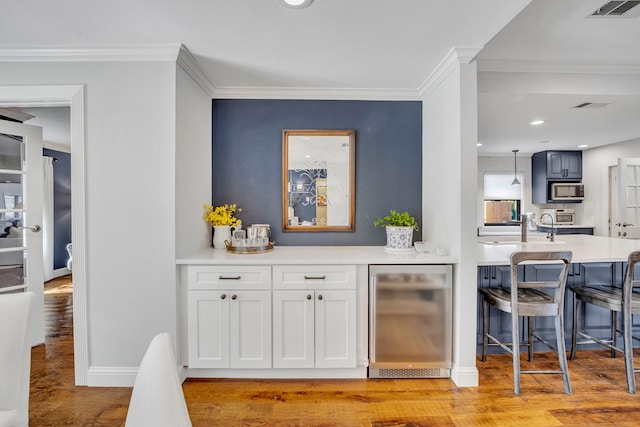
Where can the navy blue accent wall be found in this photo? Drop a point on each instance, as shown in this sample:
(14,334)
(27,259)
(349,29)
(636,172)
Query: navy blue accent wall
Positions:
(61,206)
(247,161)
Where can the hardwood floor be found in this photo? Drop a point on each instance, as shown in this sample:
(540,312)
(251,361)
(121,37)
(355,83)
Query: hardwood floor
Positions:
(599,393)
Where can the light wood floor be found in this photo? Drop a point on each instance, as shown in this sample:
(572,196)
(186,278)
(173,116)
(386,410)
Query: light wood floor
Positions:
(599,393)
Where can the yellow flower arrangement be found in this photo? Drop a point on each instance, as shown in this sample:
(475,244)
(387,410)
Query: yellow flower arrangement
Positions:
(221,215)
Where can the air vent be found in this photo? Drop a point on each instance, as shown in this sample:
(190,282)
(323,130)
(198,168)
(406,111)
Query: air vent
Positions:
(617,8)
(592,105)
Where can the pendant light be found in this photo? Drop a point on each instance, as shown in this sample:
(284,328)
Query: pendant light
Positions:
(515,168)
(296,4)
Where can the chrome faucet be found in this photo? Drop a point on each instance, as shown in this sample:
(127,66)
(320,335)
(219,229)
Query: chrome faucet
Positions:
(550,235)
(524,220)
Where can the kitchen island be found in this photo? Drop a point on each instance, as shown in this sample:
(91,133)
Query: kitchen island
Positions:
(492,250)
(293,312)
(596,260)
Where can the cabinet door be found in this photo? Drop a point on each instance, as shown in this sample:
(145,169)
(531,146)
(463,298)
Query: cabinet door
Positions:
(572,162)
(335,317)
(250,329)
(564,165)
(555,165)
(208,329)
(293,329)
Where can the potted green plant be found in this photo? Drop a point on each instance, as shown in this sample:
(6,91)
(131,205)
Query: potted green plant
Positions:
(399,228)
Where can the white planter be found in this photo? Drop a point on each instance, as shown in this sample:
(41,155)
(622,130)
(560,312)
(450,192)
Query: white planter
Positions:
(399,238)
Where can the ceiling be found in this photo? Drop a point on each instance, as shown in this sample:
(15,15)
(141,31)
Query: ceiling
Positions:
(377,46)
(559,37)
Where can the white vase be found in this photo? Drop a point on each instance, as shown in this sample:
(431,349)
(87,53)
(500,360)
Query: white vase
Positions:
(220,234)
(399,238)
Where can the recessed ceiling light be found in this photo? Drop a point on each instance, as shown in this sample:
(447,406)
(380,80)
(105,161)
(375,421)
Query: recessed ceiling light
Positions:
(583,146)
(536,122)
(479,144)
(296,4)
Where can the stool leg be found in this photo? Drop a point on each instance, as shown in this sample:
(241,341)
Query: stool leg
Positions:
(562,352)
(628,350)
(574,327)
(614,335)
(515,345)
(485,322)
(530,323)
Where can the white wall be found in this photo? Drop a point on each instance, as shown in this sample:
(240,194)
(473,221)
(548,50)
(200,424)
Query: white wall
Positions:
(449,197)
(193,165)
(130,201)
(595,177)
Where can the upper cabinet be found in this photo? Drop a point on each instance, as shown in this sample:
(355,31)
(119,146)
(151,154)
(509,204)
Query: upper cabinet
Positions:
(563,164)
(548,167)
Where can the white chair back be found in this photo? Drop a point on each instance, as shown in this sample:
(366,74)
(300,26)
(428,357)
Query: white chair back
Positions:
(157,399)
(15,359)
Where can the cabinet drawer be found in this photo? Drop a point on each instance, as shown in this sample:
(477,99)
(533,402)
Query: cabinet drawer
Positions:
(229,277)
(314,276)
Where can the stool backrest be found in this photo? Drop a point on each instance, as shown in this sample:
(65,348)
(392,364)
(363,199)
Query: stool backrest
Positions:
(630,281)
(561,257)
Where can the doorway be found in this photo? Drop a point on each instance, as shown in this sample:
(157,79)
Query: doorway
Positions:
(71,96)
(624,199)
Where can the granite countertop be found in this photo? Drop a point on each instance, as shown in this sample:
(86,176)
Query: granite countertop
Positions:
(585,248)
(316,255)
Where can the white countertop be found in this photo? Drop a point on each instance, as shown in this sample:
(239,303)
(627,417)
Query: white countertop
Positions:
(316,255)
(565,225)
(585,248)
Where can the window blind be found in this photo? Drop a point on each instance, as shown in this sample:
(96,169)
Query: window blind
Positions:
(497,186)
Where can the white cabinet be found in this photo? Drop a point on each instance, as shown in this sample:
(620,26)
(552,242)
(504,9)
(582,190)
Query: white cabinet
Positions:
(229,318)
(314,316)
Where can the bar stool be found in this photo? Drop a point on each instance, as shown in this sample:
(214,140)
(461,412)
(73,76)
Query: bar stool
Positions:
(618,300)
(524,298)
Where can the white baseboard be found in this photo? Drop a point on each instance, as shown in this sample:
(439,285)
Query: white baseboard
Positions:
(60,272)
(111,377)
(120,377)
(465,376)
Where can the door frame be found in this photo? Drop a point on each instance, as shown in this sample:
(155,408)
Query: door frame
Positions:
(67,96)
(613,199)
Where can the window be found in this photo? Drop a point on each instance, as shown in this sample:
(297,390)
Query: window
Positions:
(502,201)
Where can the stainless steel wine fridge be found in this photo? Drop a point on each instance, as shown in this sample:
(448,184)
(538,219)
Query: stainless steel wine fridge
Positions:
(410,315)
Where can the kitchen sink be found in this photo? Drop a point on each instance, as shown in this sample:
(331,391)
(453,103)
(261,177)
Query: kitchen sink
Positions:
(503,240)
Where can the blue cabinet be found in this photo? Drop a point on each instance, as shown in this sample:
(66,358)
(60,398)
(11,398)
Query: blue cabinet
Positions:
(564,165)
(548,167)
(561,230)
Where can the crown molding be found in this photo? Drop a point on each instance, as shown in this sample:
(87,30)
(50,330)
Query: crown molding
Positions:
(163,52)
(365,94)
(193,68)
(556,67)
(455,57)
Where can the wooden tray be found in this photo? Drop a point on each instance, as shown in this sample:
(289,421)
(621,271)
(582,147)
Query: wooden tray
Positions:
(245,250)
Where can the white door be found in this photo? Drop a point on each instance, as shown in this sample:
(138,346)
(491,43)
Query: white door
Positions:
(208,326)
(335,316)
(293,329)
(250,329)
(21,184)
(627,223)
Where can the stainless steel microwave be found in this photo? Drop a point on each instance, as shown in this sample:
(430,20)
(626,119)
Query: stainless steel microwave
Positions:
(567,191)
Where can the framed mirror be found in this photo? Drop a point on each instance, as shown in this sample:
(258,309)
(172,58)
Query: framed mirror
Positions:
(318,180)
